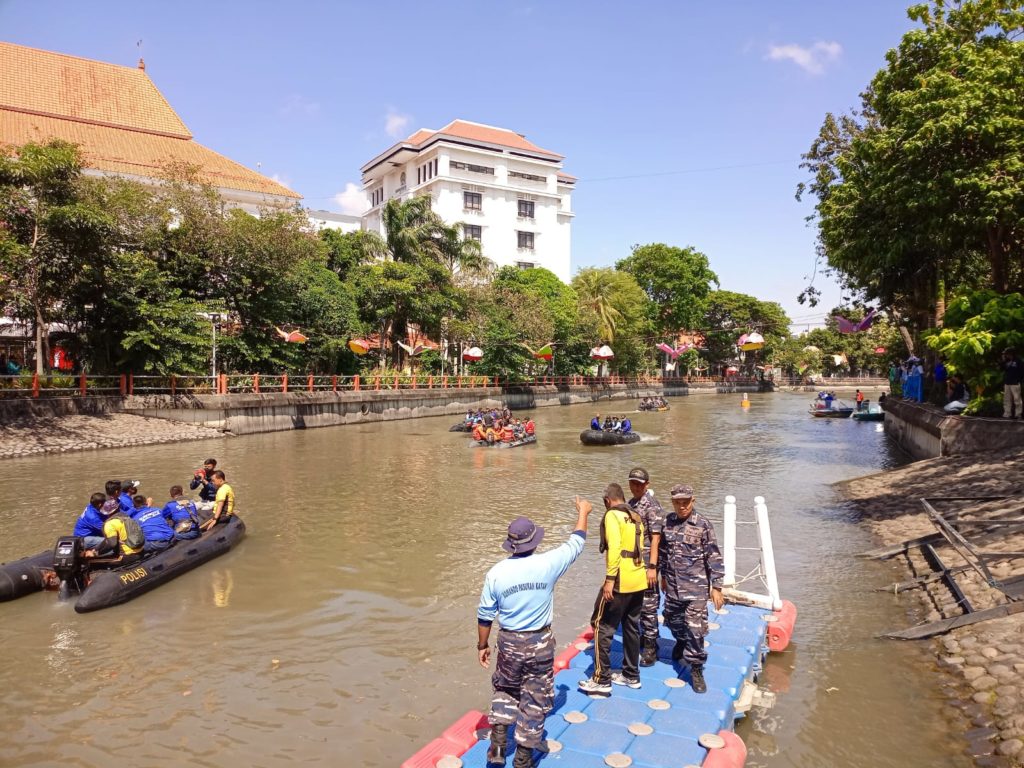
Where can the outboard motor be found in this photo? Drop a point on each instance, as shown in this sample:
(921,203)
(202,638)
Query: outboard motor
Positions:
(69,565)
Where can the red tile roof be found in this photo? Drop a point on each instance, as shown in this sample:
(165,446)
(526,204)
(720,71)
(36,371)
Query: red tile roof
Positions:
(566,177)
(116,114)
(488,134)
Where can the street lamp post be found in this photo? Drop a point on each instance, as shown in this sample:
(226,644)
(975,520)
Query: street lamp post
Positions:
(214,319)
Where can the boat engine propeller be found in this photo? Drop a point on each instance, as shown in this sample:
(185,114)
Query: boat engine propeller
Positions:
(69,565)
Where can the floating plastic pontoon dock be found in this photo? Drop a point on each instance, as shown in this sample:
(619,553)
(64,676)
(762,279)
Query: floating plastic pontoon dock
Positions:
(663,723)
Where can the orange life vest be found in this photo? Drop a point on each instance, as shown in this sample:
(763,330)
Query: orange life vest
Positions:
(506,433)
(530,427)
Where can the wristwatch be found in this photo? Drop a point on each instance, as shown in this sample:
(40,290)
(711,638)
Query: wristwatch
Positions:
(480,647)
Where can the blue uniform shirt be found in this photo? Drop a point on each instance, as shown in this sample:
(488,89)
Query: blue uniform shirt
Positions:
(151,521)
(209,490)
(90,522)
(595,424)
(518,591)
(127,505)
(178,512)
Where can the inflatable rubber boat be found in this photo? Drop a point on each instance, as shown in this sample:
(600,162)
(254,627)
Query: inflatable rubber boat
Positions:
(603,437)
(98,588)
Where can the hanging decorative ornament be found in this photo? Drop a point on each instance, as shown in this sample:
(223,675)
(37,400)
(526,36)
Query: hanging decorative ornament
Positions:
(473,354)
(293,337)
(750,341)
(359,346)
(604,352)
(544,353)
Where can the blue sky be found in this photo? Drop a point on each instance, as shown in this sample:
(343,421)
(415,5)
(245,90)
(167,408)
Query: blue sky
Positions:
(684,121)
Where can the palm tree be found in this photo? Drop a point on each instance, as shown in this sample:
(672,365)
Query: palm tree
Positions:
(595,288)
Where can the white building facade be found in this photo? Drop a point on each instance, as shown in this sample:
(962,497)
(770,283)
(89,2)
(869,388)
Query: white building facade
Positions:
(510,194)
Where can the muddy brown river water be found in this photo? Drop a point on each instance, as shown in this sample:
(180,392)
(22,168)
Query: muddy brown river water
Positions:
(341,632)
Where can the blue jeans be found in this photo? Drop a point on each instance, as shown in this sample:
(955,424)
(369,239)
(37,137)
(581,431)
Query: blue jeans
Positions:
(156,546)
(187,535)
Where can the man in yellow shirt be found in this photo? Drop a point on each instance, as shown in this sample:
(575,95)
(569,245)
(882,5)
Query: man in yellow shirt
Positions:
(223,504)
(621,598)
(122,535)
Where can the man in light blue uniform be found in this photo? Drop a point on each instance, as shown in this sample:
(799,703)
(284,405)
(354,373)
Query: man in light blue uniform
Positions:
(518,592)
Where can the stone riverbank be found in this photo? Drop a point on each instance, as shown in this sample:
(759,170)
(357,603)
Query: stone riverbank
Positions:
(29,435)
(983,663)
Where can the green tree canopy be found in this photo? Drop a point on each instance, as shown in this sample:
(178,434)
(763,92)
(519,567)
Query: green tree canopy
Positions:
(676,280)
(729,315)
(922,190)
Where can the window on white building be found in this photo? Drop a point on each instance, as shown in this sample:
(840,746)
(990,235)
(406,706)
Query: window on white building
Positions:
(527,176)
(484,169)
(472,201)
(525,264)
(473,232)
(526,209)
(376,197)
(525,240)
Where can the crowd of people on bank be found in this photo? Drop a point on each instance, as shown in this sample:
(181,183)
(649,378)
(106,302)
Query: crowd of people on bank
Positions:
(620,424)
(647,553)
(652,404)
(121,525)
(907,380)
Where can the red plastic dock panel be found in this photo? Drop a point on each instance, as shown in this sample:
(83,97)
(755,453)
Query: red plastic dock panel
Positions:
(462,733)
(431,753)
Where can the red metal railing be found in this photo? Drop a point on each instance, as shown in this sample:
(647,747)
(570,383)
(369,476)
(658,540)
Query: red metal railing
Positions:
(88,385)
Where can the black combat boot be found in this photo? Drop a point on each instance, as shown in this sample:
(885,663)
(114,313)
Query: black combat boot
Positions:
(523,758)
(499,741)
(697,677)
(650,654)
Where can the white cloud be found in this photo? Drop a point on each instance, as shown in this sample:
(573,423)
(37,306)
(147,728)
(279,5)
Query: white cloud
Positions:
(351,200)
(297,104)
(281,180)
(395,124)
(813,59)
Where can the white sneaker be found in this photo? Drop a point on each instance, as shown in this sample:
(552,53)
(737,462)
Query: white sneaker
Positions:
(620,679)
(590,685)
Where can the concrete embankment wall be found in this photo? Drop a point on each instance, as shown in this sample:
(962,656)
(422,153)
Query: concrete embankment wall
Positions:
(927,433)
(243,414)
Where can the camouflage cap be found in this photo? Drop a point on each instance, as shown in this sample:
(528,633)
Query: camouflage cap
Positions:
(110,506)
(639,474)
(681,491)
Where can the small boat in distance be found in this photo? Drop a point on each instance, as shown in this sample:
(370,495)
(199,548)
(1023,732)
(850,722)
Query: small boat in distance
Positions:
(608,437)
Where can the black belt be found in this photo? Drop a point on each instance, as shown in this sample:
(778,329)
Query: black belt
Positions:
(630,553)
(527,631)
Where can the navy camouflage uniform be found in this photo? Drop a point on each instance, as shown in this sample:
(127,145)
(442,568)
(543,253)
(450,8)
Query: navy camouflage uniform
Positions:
(691,563)
(653,515)
(524,687)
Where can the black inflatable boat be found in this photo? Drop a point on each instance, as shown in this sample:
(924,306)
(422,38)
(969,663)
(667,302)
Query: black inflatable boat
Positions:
(602,437)
(102,588)
(529,439)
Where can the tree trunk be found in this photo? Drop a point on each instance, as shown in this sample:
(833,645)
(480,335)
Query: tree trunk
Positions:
(42,342)
(997,259)
(940,302)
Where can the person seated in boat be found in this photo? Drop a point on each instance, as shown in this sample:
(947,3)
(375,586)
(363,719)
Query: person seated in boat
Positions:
(123,539)
(508,433)
(530,428)
(506,415)
(518,430)
(828,400)
(615,423)
(595,423)
(607,423)
(202,478)
(626,427)
(159,535)
(493,433)
(128,488)
(224,504)
(181,514)
(89,526)
(479,433)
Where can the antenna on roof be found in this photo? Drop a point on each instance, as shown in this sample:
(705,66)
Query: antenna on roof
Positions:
(142,64)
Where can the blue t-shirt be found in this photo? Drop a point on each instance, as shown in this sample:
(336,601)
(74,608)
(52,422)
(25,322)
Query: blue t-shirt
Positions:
(595,424)
(179,511)
(90,522)
(151,521)
(518,591)
(127,505)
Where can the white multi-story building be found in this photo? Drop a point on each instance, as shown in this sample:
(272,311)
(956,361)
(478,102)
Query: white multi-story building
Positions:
(511,195)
